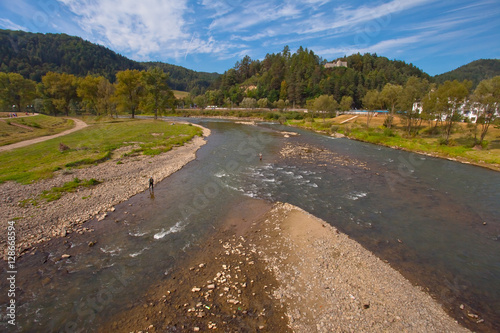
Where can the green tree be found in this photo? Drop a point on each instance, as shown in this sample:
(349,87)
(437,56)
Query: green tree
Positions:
(248,103)
(200,101)
(129,90)
(158,95)
(106,102)
(283,90)
(87,90)
(60,91)
(451,96)
(325,105)
(263,103)
(16,91)
(413,92)
(346,103)
(371,102)
(389,96)
(487,96)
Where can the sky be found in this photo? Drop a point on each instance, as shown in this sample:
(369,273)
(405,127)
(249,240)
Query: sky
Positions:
(212,35)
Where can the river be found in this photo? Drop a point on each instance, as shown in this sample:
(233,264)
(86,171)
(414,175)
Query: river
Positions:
(436,221)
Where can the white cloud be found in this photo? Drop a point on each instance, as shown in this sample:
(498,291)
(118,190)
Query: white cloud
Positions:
(346,17)
(140,27)
(8,24)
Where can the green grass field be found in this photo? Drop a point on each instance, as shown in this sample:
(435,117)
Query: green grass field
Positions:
(40,125)
(94,144)
(180,94)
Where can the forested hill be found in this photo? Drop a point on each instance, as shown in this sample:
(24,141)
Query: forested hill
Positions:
(302,75)
(34,54)
(475,71)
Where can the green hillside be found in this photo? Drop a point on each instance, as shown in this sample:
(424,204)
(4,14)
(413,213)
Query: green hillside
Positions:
(34,54)
(475,71)
(302,75)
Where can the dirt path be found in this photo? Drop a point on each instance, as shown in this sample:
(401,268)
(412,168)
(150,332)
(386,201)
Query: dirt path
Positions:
(79,124)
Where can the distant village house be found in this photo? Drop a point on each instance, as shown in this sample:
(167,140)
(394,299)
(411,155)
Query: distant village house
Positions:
(338,63)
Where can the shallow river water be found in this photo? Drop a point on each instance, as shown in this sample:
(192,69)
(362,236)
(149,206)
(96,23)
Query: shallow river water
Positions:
(425,216)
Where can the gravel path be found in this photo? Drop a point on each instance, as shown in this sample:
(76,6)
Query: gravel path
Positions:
(79,124)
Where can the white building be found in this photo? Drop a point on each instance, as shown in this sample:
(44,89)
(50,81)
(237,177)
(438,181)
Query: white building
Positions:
(469,110)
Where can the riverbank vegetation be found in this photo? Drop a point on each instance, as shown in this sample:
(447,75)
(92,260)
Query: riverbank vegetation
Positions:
(105,138)
(429,140)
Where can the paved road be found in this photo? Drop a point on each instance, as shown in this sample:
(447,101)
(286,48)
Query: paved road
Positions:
(78,126)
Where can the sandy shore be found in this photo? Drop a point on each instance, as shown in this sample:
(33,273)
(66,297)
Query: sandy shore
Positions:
(279,269)
(45,220)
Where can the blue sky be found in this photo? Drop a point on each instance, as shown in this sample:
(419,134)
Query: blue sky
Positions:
(211,35)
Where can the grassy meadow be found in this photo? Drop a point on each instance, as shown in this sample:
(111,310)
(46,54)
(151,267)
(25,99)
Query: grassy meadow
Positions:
(94,144)
(39,125)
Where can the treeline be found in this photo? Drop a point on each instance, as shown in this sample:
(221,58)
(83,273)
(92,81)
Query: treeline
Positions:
(133,91)
(475,72)
(34,54)
(296,78)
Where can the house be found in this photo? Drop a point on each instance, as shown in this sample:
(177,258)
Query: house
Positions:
(338,63)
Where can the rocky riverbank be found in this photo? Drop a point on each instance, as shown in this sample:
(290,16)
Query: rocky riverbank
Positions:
(280,269)
(121,177)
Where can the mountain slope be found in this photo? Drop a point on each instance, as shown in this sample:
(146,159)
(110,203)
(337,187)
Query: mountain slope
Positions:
(34,54)
(475,71)
(302,75)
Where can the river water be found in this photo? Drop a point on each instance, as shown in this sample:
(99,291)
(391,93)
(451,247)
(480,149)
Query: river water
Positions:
(425,216)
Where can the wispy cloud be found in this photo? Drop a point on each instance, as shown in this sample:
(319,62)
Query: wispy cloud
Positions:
(8,24)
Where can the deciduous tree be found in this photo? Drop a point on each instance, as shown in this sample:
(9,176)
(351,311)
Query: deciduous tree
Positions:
(157,92)
(60,90)
(389,96)
(371,102)
(129,90)
(487,96)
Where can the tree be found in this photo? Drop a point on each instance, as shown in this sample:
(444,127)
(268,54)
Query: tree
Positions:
(389,96)
(87,90)
(129,90)
(487,96)
(157,93)
(451,96)
(283,90)
(413,92)
(60,90)
(200,101)
(346,103)
(248,103)
(106,103)
(263,103)
(371,102)
(16,91)
(325,104)
(281,104)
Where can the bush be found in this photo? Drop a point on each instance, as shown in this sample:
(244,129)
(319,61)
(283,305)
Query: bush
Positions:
(388,120)
(389,132)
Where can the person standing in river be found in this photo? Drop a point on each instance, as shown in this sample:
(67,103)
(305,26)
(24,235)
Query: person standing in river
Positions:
(151,183)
